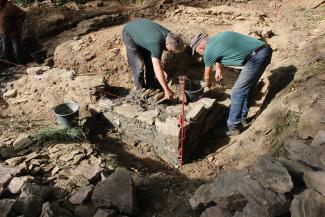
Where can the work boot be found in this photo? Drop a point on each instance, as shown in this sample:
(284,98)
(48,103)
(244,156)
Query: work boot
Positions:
(244,121)
(233,132)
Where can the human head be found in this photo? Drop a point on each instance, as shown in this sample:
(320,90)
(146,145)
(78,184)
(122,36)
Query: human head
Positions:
(174,43)
(198,43)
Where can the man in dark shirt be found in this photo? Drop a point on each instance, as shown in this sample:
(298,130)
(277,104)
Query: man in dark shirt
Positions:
(11,18)
(145,42)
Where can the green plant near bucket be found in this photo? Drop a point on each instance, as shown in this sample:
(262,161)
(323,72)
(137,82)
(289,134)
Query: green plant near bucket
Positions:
(60,134)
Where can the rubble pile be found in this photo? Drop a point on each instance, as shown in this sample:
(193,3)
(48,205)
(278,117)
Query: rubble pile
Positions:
(271,187)
(62,179)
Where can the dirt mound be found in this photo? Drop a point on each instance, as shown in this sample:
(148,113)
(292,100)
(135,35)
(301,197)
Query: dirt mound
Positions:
(36,95)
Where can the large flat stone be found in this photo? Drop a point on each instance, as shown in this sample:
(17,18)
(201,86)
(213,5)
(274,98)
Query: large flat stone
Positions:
(90,172)
(148,117)
(197,108)
(22,141)
(308,204)
(17,183)
(271,174)
(262,200)
(128,110)
(305,154)
(215,211)
(7,173)
(223,191)
(312,121)
(315,180)
(168,128)
(81,195)
(117,190)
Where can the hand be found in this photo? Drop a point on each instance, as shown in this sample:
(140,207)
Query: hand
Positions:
(169,94)
(218,76)
(207,82)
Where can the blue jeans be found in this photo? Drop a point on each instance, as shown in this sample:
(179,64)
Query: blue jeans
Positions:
(141,63)
(244,85)
(12,48)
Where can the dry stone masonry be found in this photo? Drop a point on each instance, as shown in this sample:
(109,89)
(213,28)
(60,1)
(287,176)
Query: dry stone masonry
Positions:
(138,117)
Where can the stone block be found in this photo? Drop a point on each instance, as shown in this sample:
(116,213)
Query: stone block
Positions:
(308,204)
(315,180)
(305,154)
(261,200)
(117,190)
(7,173)
(17,183)
(81,195)
(223,191)
(22,141)
(15,161)
(271,174)
(168,128)
(88,171)
(128,110)
(148,117)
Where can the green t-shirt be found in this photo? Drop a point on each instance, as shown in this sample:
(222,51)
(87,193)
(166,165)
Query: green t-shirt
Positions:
(229,48)
(149,35)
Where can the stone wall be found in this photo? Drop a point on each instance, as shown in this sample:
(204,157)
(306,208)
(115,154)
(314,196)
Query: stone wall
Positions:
(158,125)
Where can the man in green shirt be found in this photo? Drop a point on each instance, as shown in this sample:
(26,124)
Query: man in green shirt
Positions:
(145,42)
(234,49)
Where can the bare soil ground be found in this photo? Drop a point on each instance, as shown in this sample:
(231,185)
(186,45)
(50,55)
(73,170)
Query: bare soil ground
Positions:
(293,29)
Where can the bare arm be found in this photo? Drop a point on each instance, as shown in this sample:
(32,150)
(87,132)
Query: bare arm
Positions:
(218,75)
(207,75)
(159,72)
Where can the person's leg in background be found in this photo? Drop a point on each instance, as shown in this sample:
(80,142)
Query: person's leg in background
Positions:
(151,80)
(7,48)
(18,51)
(135,60)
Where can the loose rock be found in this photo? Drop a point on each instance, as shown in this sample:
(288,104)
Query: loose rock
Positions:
(82,194)
(117,190)
(18,182)
(223,191)
(22,141)
(315,180)
(215,211)
(271,174)
(54,210)
(28,206)
(308,204)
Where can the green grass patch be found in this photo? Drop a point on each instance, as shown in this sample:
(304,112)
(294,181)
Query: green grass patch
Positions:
(60,134)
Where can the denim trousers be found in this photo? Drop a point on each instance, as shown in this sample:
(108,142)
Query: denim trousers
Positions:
(12,48)
(141,63)
(244,85)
